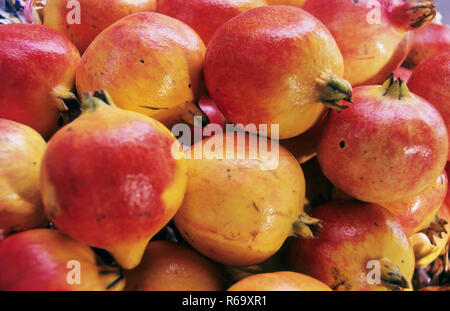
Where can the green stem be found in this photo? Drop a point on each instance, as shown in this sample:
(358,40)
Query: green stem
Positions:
(333,89)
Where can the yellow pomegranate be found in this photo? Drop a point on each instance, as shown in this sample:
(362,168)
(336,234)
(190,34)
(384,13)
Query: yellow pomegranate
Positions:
(21,152)
(241,203)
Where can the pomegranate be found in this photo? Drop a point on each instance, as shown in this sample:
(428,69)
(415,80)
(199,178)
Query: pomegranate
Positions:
(206,16)
(356,239)
(41,260)
(94,16)
(168,266)
(286,73)
(429,40)
(37,71)
(112,179)
(388,146)
(416,213)
(240,204)
(149,63)
(371,34)
(431,80)
(21,151)
(279,281)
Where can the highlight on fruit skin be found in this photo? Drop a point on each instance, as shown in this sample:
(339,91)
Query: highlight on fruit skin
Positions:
(372,36)
(168,266)
(156,71)
(38,260)
(21,152)
(240,205)
(385,156)
(112,179)
(37,72)
(82,26)
(288,72)
(279,281)
(360,247)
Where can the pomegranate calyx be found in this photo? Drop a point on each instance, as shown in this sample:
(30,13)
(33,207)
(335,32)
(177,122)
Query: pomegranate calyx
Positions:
(395,88)
(391,276)
(307,227)
(112,277)
(333,89)
(435,229)
(413,14)
(191,112)
(100,99)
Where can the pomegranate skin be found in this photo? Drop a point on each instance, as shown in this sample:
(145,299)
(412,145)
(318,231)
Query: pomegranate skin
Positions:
(37,65)
(111,180)
(206,16)
(274,77)
(353,233)
(383,149)
(431,80)
(95,16)
(428,41)
(371,49)
(37,260)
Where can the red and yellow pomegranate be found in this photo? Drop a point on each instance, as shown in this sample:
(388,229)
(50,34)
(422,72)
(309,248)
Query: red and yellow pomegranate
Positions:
(242,203)
(286,73)
(360,247)
(112,179)
(168,266)
(149,63)
(47,260)
(388,146)
(371,34)
(279,281)
(428,41)
(92,17)
(416,213)
(206,16)
(37,70)
(431,80)
(21,152)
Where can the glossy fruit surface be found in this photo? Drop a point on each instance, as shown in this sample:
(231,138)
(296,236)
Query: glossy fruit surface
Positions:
(42,260)
(37,67)
(288,67)
(279,281)
(371,35)
(168,266)
(388,146)
(239,210)
(428,41)
(94,17)
(21,152)
(112,179)
(353,235)
(206,16)
(431,80)
(149,63)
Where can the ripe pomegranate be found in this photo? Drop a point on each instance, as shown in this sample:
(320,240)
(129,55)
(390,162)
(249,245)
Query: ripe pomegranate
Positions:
(21,151)
(94,17)
(112,179)
(41,260)
(149,63)
(353,235)
(241,203)
(286,73)
(388,146)
(431,80)
(167,266)
(416,213)
(371,34)
(428,41)
(37,70)
(206,16)
(279,281)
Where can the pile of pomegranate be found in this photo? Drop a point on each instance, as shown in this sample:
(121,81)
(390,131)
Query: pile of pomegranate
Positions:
(102,189)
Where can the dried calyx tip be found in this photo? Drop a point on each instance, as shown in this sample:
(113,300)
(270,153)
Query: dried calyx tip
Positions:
(333,89)
(395,88)
(413,14)
(391,276)
(307,227)
(99,99)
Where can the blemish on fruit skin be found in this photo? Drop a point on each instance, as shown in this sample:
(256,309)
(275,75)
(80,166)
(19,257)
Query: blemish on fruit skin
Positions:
(254,234)
(256,207)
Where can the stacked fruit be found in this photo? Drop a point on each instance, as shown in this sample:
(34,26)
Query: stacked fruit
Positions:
(94,184)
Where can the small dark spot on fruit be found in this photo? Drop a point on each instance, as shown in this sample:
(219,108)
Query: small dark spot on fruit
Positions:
(342,144)
(190,85)
(376,224)
(256,207)
(34,163)
(142,61)
(228,170)
(69,129)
